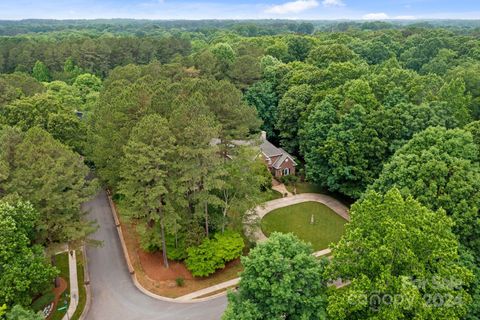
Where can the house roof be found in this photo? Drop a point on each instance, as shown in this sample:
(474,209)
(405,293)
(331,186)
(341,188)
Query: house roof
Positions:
(270,150)
(285,155)
(267,148)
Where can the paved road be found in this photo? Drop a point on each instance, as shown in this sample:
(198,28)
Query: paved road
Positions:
(114,296)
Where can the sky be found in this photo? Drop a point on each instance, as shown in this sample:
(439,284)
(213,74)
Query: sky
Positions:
(240,9)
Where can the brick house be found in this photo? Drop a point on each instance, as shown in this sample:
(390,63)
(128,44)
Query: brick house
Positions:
(279,162)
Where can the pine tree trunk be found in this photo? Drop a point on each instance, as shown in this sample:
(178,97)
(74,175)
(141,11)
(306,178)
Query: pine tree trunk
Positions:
(206,219)
(176,235)
(224,219)
(225,210)
(164,244)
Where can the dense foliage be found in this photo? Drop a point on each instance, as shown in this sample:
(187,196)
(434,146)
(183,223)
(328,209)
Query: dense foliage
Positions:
(167,114)
(281,280)
(20,313)
(440,168)
(212,254)
(402,260)
(24,271)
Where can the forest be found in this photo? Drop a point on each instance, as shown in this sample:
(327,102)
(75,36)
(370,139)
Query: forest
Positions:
(384,114)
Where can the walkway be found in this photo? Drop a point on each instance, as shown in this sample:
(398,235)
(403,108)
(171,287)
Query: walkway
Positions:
(330,202)
(280,187)
(214,290)
(72,267)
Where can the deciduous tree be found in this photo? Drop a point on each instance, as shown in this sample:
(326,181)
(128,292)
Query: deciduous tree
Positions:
(40,72)
(440,168)
(281,280)
(401,259)
(24,270)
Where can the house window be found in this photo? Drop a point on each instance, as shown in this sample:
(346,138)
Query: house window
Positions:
(286,171)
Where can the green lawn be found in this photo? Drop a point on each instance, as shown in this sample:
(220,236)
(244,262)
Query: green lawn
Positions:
(270,195)
(62,265)
(327,228)
(82,300)
(306,187)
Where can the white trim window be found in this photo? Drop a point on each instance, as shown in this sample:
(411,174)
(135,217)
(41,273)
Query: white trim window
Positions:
(286,171)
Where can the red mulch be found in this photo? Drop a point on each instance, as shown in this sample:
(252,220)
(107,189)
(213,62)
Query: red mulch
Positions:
(58,292)
(152,264)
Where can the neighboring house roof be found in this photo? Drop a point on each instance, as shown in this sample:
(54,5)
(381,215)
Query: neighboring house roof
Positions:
(217,141)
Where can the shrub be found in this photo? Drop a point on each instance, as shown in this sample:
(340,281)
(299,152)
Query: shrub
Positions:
(203,260)
(289,180)
(176,250)
(229,245)
(212,254)
(43,301)
(180,281)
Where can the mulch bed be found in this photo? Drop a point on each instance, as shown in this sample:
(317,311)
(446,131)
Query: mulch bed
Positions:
(58,293)
(152,264)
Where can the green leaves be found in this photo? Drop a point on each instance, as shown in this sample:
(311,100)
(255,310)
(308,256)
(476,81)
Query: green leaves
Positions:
(439,167)
(146,164)
(20,313)
(40,72)
(396,248)
(53,179)
(212,254)
(281,280)
(24,271)
(53,111)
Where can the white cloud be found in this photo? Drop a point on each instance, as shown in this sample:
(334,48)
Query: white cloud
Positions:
(333,3)
(376,16)
(404,17)
(293,7)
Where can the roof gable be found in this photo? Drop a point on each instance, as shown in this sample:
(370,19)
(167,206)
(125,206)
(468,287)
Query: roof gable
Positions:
(277,164)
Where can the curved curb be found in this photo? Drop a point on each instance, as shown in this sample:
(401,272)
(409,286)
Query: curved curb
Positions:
(86,284)
(260,211)
(131,269)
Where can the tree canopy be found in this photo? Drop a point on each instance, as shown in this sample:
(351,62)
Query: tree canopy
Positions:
(401,260)
(281,279)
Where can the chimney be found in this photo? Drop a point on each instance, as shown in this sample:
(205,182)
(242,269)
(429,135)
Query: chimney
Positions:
(263,135)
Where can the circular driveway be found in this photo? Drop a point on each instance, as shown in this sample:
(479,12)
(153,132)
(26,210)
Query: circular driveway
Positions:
(338,207)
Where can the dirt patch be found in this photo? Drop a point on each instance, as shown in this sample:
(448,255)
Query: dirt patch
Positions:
(153,276)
